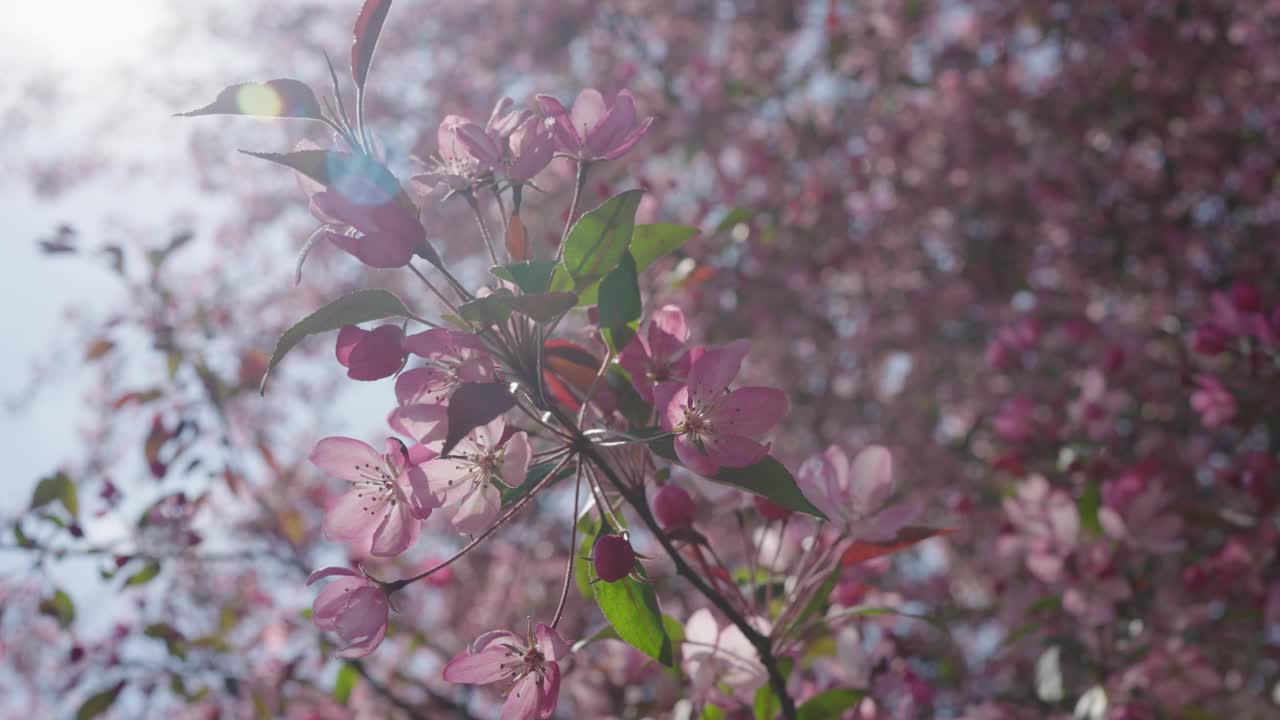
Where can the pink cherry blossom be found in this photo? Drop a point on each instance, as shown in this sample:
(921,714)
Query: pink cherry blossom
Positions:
(452,357)
(532,146)
(855,494)
(714,425)
(657,354)
(371,354)
(379,515)
(595,129)
(354,606)
(722,665)
(1216,404)
(382,233)
(463,482)
(1049,525)
(529,665)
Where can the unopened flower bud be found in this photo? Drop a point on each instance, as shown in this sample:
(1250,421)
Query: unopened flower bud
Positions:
(674,507)
(613,558)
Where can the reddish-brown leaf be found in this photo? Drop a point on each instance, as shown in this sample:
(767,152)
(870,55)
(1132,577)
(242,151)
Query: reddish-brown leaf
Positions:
(863,551)
(368,28)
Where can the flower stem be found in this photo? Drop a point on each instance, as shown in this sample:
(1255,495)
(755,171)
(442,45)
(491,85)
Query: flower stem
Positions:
(579,183)
(573,542)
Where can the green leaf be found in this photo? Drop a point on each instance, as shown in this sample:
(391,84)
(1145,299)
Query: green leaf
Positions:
(279,98)
(650,242)
(733,218)
(1090,503)
(620,303)
(358,307)
(58,486)
(631,607)
(99,703)
(830,704)
(492,309)
(345,683)
(145,575)
(768,478)
(712,712)
(174,641)
(597,242)
(544,307)
(60,607)
(767,706)
(532,276)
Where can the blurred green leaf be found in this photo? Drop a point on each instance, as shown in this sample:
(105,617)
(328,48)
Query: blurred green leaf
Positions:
(99,703)
(830,704)
(650,242)
(345,683)
(60,607)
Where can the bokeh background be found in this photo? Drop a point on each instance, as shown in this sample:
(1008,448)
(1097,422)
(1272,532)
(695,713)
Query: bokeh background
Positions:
(1030,246)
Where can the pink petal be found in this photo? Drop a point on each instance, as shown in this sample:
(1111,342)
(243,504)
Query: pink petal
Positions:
(478,510)
(735,451)
(565,134)
(712,373)
(524,700)
(488,436)
(423,386)
(450,148)
(816,484)
(515,461)
(550,692)
(553,647)
(693,458)
(427,424)
(870,479)
(668,331)
(333,600)
(888,522)
(353,519)
(670,400)
(330,572)
(348,337)
(361,648)
(344,458)
(416,493)
(750,411)
(623,147)
(398,530)
(479,145)
(430,343)
(480,668)
(613,127)
(588,110)
(378,250)
(450,479)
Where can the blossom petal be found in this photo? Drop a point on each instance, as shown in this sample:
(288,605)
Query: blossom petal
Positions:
(566,136)
(477,510)
(735,451)
(588,111)
(712,373)
(515,460)
(629,141)
(424,386)
(670,400)
(427,424)
(550,692)
(354,518)
(377,249)
(668,331)
(750,411)
(449,479)
(330,572)
(333,600)
(692,457)
(398,530)
(481,668)
(871,479)
(553,646)
(524,700)
(345,458)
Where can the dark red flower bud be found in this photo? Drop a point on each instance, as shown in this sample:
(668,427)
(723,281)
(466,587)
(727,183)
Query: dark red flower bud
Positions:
(613,558)
(1246,298)
(1211,339)
(674,507)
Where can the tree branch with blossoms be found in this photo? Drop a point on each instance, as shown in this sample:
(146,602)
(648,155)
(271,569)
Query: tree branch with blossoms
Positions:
(496,409)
